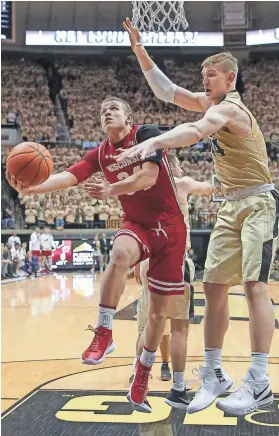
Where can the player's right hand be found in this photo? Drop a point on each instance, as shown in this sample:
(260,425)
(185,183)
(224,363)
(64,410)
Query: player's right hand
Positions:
(134,35)
(17,184)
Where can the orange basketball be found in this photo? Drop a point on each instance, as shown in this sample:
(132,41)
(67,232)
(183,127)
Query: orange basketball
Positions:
(30,163)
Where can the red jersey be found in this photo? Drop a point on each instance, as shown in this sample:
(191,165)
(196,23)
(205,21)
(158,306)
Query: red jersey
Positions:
(154,204)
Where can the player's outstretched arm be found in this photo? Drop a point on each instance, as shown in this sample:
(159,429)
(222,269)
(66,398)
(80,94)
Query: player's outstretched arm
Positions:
(187,185)
(142,179)
(77,173)
(56,182)
(186,134)
(161,85)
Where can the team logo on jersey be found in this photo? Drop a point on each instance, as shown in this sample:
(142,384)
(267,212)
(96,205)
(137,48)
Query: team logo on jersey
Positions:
(151,154)
(125,163)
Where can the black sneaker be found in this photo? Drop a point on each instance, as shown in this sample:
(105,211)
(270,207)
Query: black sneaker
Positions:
(165,372)
(178,399)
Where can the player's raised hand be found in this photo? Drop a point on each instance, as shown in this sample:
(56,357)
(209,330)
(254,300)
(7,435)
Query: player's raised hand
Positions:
(142,150)
(133,33)
(17,185)
(98,189)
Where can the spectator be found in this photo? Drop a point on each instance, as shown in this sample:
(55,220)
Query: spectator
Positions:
(5,262)
(97,252)
(35,244)
(11,264)
(30,216)
(31,265)
(7,219)
(104,247)
(41,214)
(47,244)
(194,258)
(14,239)
(16,258)
(89,216)
(59,220)
(49,215)
(70,216)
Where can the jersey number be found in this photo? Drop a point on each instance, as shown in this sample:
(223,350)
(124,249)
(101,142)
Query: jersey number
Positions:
(123,175)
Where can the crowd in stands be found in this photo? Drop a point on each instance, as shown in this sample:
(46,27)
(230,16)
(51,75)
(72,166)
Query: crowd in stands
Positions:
(13,257)
(84,79)
(25,100)
(85,84)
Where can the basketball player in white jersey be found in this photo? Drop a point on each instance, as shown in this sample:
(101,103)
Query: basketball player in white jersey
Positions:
(178,312)
(47,244)
(35,244)
(243,243)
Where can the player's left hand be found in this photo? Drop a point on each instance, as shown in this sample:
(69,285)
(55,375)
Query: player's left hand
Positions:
(142,150)
(98,189)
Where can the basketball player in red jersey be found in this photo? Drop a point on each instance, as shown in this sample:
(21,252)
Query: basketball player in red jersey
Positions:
(153,227)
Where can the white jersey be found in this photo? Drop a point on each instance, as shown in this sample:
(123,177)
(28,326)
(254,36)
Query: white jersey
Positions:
(47,242)
(35,242)
(13,240)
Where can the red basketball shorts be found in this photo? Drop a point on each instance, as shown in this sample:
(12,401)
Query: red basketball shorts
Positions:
(46,253)
(36,253)
(164,243)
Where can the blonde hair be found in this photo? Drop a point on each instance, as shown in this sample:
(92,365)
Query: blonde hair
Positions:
(225,60)
(127,108)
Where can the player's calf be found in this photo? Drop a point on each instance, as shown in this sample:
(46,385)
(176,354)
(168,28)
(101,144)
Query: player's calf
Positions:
(124,254)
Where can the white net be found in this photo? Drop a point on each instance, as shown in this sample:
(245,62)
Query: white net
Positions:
(155,16)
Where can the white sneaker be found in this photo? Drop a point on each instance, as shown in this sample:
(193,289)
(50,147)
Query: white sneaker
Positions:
(254,393)
(214,382)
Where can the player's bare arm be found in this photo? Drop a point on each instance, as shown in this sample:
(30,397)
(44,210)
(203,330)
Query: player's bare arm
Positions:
(55,182)
(187,185)
(161,85)
(186,134)
(142,179)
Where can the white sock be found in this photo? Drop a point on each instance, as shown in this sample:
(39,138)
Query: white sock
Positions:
(260,362)
(147,358)
(105,317)
(178,381)
(212,357)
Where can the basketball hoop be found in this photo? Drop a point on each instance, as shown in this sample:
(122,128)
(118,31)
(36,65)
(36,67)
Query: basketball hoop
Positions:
(156,16)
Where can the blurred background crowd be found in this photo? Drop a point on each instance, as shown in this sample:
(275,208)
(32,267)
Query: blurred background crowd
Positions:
(30,89)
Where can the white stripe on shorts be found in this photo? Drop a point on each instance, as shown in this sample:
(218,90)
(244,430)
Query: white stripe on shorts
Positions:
(166,289)
(165,283)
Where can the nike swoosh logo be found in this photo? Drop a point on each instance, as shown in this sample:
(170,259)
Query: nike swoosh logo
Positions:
(257,396)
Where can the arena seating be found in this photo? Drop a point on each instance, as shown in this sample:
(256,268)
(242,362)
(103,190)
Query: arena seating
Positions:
(25,99)
(25,93)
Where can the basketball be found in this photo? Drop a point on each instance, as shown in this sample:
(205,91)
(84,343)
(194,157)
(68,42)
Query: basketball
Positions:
(30,163)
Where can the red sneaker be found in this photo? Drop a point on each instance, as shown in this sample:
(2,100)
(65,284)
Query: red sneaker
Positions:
(101,345)
(139,388)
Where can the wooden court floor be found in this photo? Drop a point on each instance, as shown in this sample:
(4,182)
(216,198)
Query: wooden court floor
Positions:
(47,391)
